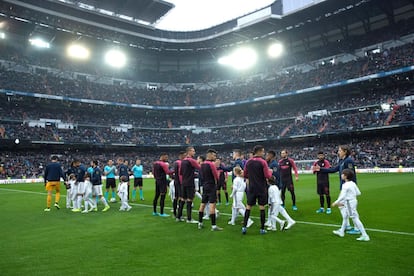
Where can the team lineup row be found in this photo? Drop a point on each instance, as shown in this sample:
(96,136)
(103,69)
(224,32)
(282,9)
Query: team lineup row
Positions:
(263,179)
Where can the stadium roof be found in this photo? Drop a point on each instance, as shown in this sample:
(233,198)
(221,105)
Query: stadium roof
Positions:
(318,21)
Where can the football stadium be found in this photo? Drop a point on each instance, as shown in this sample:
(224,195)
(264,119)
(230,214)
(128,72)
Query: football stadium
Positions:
(151,137)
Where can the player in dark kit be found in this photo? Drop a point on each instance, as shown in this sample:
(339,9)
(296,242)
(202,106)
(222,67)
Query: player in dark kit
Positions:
(286,165)
(187,170)
(53,174)
(160,171)
(345,162)
(177,182)
(222,182)
(210,177)
(123,170)
(257,172)
(322,183)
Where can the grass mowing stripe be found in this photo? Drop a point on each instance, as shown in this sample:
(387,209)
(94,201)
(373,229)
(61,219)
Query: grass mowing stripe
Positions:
(226,214)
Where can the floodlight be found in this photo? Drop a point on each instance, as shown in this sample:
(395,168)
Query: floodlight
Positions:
(115,58)
(77,51)
(38,42)
(240,59)
(275,50)
(2,35)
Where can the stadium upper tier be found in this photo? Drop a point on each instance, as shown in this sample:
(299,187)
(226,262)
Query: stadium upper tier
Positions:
(271,84)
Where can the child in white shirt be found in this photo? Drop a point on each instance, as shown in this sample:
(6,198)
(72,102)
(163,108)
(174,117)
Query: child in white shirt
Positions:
(237,194)
(123,194)
(347,203)
(275,207)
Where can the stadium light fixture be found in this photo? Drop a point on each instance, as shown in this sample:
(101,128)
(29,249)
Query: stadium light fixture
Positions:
(115,58)
(275,50)
(2,35)
(240,59)
(77,51)
(38,42)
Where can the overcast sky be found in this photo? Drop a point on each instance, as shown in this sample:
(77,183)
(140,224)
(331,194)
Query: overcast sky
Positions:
(192,15)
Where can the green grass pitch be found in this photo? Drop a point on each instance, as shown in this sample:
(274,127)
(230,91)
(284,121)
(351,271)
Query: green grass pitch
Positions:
(60,242)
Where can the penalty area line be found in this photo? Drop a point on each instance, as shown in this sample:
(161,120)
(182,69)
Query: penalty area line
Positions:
(227,214)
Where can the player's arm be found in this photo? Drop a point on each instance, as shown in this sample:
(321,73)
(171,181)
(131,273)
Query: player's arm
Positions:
(266,170)
(313,166)
(329,170)
(295,168)
(165,168)
(341,196)
(194,163)
(215,172)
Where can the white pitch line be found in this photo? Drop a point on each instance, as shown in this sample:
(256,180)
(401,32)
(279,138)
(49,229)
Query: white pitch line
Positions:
(226,214)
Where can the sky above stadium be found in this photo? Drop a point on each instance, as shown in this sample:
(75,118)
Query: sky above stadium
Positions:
(193,15)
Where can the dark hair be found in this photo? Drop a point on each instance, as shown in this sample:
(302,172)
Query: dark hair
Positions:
(346,149)
(349,174)
(202,157)
(54,157)
(95,162)
(272,152)
(257,148)
(237,151)
(211,151)
(321,152)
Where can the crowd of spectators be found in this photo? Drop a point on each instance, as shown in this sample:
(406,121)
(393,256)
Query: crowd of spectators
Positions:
(382,152)
(271,84)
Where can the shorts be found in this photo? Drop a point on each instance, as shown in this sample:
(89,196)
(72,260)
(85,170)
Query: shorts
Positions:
(161,187)
(110,183)
(288,183)
(138,182)
(221,185)
(178,190)
(97,190)
(322,188)
(209,196)
(188,192)
(81,187)
(258,196)
(53,185)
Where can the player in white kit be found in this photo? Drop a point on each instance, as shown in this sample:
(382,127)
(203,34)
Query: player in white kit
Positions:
(347,203)
(123,194)
(275,207)
(237,194)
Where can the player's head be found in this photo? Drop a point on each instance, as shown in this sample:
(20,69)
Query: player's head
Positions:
(190,151)
(86,176)
(138,162)
(76,163)
(270,155)
(120,160)
(211,154)
(181,155)
(164,156)
(271,180)
(321,155)
(258,150)
(284,153)
(54,158)
(347,174)
(238,171)
(217,161)
(123,178)
(94,163)
(236,154)
(344,151)
(72,176)
(201,159)
(110,162)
